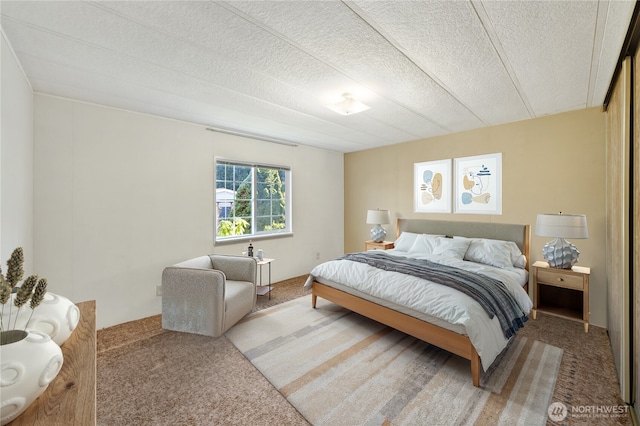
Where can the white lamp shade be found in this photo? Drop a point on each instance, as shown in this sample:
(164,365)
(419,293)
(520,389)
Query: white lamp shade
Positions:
(378,217)
(562,225)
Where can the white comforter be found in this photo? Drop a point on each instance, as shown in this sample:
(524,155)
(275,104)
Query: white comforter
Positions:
(434,299)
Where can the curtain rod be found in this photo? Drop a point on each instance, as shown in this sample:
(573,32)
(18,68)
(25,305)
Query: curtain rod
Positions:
(234,132)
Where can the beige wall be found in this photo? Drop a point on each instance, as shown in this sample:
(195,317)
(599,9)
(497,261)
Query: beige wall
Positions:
(121,195)
(549,164)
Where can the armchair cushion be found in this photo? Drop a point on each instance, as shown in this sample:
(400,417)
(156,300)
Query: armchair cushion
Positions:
(236,268)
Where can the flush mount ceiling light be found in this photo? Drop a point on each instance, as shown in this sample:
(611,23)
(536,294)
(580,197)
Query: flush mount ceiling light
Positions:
(348,105)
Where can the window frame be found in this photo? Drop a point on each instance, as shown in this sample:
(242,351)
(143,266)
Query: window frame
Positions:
(252,234)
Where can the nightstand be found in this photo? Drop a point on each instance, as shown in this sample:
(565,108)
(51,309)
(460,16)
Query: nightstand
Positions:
(384,245)
(562,292)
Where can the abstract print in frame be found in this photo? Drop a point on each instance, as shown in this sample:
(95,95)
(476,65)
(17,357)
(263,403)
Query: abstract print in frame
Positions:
(478,184)
(432,187)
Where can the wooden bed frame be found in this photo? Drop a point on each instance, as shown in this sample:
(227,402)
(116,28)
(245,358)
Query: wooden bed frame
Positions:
(433,334)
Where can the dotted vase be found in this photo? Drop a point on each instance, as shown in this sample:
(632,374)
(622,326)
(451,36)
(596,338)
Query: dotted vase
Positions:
(29,361)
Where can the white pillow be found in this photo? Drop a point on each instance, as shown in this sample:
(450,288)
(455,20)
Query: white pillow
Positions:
(521,262)
(424,243)
(518,259)
(490,252)
(452,248)
(498,253)
(405,241)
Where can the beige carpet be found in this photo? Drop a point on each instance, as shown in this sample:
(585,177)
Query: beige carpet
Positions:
(147,376)
(339,368)
(144,374)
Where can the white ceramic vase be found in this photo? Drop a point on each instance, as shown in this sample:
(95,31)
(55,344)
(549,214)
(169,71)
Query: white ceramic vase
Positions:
(27,365)
(56,316)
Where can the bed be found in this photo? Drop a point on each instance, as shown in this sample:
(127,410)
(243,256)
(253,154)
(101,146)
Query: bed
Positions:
(401,301)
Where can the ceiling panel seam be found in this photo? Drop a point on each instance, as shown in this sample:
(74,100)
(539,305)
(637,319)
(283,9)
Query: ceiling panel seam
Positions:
(253,70)
(371,23)
(15,57)
(176,94)
(487,25)
(596,52)
(86,43)
(268,67)
(301,48)
(187,41)
(196,78)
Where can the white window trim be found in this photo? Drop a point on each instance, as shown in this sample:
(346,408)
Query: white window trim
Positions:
(287,232)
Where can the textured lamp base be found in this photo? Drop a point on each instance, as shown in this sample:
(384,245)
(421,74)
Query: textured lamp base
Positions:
(378,234)
(560,254)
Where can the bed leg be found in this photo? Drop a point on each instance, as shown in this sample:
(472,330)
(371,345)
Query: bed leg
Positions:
(475,368)
(314,298)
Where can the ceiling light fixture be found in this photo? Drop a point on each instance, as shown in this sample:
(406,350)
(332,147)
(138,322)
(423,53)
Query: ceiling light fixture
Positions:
(250,135)
(348,105)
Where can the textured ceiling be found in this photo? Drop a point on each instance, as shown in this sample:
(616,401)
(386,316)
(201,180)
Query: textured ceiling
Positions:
(425,68)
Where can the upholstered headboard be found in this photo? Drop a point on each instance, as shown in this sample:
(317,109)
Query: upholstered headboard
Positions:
(520,234)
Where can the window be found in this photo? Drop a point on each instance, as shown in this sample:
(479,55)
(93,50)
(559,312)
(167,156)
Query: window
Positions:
(252,200)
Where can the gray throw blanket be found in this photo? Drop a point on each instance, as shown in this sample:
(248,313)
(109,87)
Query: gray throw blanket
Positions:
(490,293)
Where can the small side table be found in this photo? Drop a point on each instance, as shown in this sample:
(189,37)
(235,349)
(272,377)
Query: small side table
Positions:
(261,290)
(372,245)
(562,292)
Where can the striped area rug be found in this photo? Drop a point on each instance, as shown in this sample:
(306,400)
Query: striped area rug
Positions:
(339,368)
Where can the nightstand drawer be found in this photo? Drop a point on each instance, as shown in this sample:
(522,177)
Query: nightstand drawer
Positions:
(559,279)
(384,245)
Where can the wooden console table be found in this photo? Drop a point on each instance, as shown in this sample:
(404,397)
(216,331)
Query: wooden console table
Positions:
(70,398)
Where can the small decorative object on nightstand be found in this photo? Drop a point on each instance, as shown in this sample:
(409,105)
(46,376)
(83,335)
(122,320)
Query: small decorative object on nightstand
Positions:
(560,253)
(562,292)
(383,245)
(378,218)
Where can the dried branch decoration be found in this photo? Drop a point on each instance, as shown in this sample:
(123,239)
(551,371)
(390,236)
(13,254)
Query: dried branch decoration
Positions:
(14,267)
(31,289)
(38,294)
(24,294)
(5,294)
(5,289)
(24,291)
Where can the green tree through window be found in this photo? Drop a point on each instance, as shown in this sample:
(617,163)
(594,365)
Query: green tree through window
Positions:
(251,200)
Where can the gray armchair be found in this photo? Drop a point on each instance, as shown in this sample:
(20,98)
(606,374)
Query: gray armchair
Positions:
(209,294)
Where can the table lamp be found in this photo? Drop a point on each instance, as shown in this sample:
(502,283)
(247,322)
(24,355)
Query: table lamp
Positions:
(560,253)
(378,218)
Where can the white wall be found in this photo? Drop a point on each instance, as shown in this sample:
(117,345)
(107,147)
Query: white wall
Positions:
(121,195)
(16,160)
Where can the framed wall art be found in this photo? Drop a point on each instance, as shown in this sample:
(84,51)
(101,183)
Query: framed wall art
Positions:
(478,184)
(432,187)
